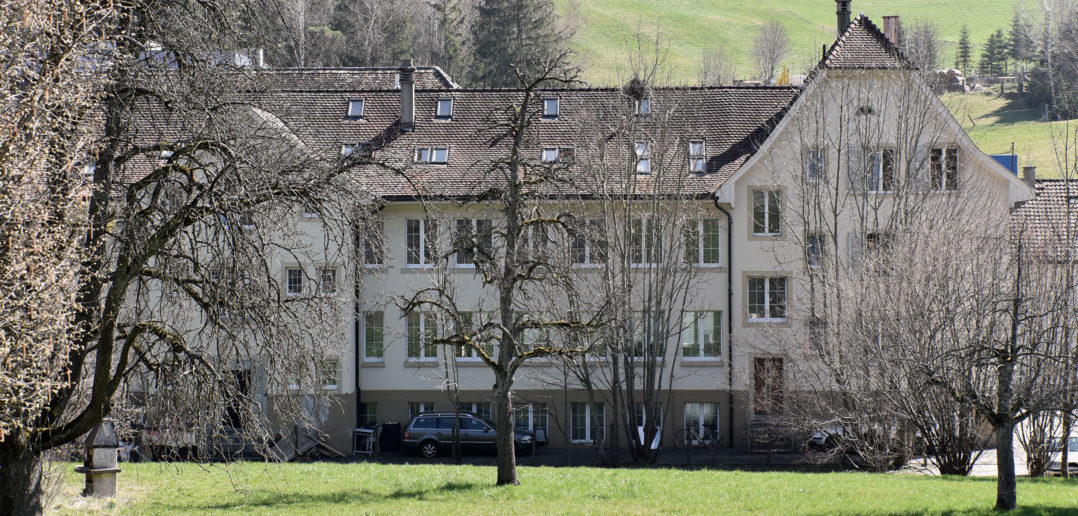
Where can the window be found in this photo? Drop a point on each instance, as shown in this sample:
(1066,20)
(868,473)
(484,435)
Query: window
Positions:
(877,249)
(643,106)
(641,413)
(702,242)
(646,241)
(529,338)
(766,212)
(814,164)
(588,246)
(422,242)
(944,168)
(481,409)
(700,417)
(355,108)
(702,334)
(330,373)
(549,155)
(767,299)
(817,332)
(422,328)
(416,408)
(562,155)
(881,171)
(357,150)
(533,241)
(294,281)
(472,238)
(372,244)
(587,422)
(643,157)
(814,247)
(470,322)
(529,417)
(347,149)
(327,281)
(697,156)
(444,109)
(432,155)
(246,221)
(648,334)
(767,385)
(310,211)
(368,415)
(551,107)
(374,335)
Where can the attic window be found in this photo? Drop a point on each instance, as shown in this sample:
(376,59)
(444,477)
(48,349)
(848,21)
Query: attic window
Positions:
(444,109)
(433,155)
(697,156)
(358,150)
(346,150)
(643,106)
(563,155)
(355,108)
(866,111)
(643,158)
(551,107)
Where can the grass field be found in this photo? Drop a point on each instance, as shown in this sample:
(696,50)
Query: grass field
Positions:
(429,489)
(688,27)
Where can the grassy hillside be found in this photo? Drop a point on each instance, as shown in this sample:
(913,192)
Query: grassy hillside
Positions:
(688,27)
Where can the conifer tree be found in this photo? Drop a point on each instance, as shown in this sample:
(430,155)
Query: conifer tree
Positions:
(513,32)
(964,54)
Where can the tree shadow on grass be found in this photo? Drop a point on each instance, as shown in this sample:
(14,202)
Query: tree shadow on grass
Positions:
(357,495)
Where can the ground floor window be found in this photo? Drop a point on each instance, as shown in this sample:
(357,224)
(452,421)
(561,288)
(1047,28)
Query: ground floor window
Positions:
(529,417)
(587,421)
(368,415)
(418,407)
(482,409)
(701,417)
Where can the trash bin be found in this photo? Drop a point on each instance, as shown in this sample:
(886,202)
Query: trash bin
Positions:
(390,440)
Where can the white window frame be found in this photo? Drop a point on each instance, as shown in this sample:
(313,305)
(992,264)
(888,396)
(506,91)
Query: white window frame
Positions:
(588,428)
(642,151)
(590,260)
(694,327)
(332,364)
(639,415)
(474,228)
(534,414)
(416,408)
(290,274)
(352,114)
(364,329)
(768,299)
(347,149)
(438,113)
(332,271)
(424,246)
(642,106)
(946,153)
(699,235)
(430,155)
(478,318)
(424,319)
(875,168)
(698,160)
(372,245)
(815,164)
(549,155)
(698,422)
(475,406)
(814,250)
(548,104)
(649,232)
(769,196)
(648,332)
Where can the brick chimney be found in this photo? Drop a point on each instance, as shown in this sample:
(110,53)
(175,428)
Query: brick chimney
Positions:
(1029,175)
(843,15)
(890,28)
(407,84)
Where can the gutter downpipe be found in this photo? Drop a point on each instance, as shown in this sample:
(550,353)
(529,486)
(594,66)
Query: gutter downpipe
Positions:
(729,318)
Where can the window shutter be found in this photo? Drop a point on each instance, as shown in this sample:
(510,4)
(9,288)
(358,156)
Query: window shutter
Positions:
(854,250)
(856,169)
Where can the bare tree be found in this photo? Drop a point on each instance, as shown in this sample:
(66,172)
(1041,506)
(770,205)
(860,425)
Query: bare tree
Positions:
(716,68)
(769,49)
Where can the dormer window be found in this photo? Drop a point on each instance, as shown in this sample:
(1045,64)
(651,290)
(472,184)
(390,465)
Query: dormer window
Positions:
(643,106)
(563,155)
(643,158)
(432,155)
(444,109)
(355,109)
(347,150)
(357,151)
(697,156)
(551,107)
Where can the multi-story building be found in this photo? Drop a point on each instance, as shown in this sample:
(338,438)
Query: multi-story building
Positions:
(737,159)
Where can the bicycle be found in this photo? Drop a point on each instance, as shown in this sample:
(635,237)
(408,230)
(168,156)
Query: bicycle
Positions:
(709,438)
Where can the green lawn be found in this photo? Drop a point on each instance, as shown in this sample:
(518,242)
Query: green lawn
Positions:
(993,122)
(689,27)
(432,489)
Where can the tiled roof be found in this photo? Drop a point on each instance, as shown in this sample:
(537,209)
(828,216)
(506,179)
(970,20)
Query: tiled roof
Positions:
(733,122)
(1043,220)
(348,79)
(864,46)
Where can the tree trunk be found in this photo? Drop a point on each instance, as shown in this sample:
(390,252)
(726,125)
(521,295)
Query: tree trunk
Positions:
(504,441)
(21,491)
(1006,498)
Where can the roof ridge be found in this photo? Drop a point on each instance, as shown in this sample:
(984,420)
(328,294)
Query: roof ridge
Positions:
(863,22)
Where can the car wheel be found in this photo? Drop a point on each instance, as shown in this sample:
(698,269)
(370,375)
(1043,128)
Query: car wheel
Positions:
(428,449)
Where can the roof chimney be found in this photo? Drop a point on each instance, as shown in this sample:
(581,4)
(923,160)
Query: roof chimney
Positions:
(890,28)
(407,83)
(843,15)
(1029,175)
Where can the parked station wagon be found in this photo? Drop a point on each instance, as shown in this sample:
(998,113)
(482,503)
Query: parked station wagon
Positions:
(431,433)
